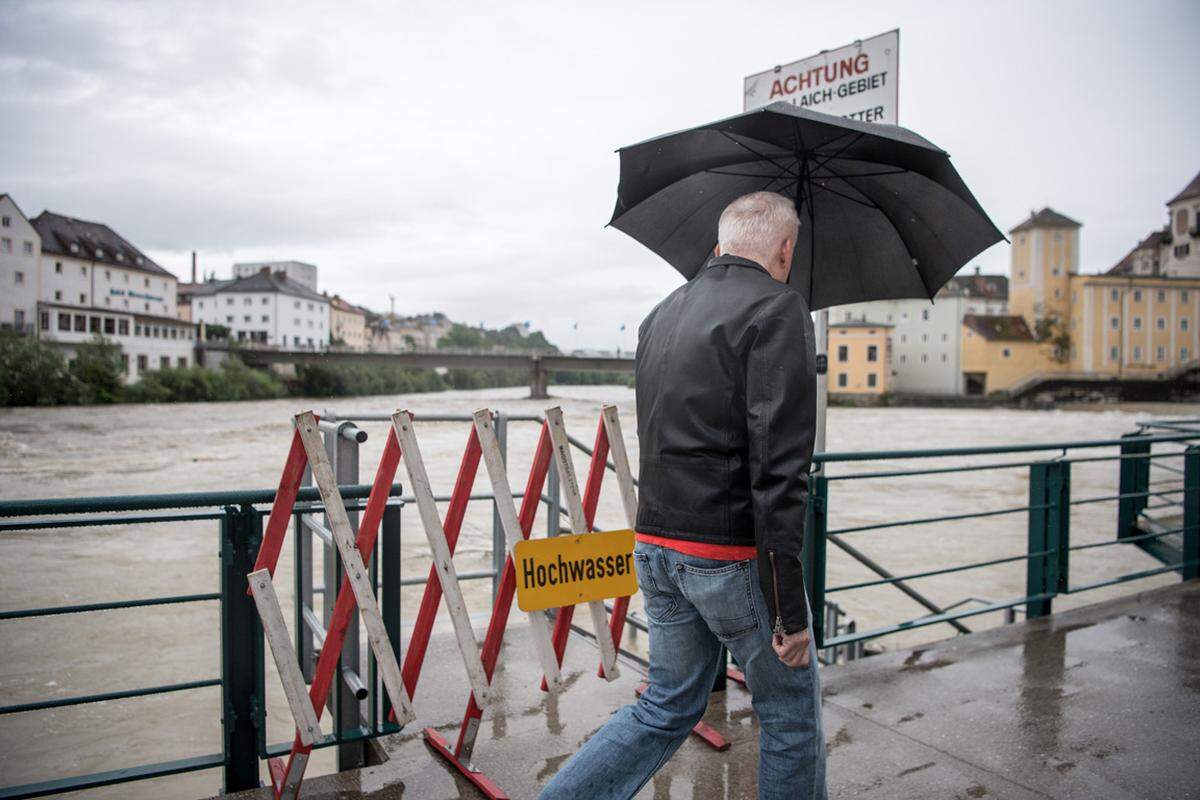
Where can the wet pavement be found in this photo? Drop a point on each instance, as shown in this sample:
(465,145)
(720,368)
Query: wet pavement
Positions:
(1097,702)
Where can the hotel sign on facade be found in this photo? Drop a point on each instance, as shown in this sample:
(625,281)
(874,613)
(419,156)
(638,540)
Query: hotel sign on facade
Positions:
(858,81)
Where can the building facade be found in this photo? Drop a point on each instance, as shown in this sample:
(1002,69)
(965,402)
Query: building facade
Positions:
(999,351)
(298,271)
(92,282)
(20,254)
(266,308)
(860,358)
(926,337)
(348,324)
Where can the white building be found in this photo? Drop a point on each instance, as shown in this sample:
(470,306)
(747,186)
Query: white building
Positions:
(20,249)
(266,308)
(927,336)
(1173,251)
(298,271)
(93,282)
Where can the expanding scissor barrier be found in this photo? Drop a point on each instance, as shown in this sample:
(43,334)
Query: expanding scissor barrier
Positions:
(307,450)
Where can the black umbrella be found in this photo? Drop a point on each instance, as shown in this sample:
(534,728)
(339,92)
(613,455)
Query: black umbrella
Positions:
(883,213)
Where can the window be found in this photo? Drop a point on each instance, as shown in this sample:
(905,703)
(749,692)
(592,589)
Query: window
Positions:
(1162,296)
(19,278)
(1183,323)
(1137,323)
(872,352)
(5,245)
(164,362)
(1183,296)
(1182,250)
(6,222)
(871,379)
(1006,352)
(122,327)
(925,314)
(27,248)
(143,363)
(44,319)
(310,306)
(1115,295)
(943,358)
(1183,354)
(924,358)
(1112,353)
(903,338)
(1057,293)
(229,318)
(82,270)
(110,326)
(246,318)
(266,317)
(146,281)
(1162,323)
(58,267)
(1116,323)
(266,301)
(1161,353)
(82,297)
(842,379)
(64,322)
(58,294)
(1137,295)
(108,274)
(945,337)
(924,337)
(297,306)
(181,361)
(248,301)
(903,359)
(80,323)
(95,325)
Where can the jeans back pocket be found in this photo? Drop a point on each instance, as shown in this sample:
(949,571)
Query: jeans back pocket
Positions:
(724,597)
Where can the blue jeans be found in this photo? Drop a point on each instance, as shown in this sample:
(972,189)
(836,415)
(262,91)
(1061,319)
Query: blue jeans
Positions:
(696,605)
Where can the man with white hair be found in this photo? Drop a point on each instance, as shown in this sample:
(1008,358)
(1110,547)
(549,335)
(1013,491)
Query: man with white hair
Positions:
(726,416)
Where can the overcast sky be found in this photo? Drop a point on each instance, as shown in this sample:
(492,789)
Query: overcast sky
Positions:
(460,157)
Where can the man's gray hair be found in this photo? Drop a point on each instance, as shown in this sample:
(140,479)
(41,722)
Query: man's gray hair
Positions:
(757,223)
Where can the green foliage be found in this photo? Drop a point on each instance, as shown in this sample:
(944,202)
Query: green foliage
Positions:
(33,373)
(465,337)
(99,371)
(213,332)
(347,380)
(233,381)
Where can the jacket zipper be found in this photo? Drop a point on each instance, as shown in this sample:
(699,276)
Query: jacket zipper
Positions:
(775,583)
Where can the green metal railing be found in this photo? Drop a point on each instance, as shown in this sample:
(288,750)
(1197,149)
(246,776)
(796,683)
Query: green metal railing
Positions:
(1151,477)
(1048,542)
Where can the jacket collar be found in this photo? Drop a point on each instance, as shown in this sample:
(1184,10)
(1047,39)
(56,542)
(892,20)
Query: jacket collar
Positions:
(730,260)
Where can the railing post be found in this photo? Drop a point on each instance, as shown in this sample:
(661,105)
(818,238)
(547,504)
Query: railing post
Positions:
(499,546)
(347,710)
(303,579)
(389,560)
(1049,534)
(1133,486)
(813,553)
(242,677)
(1191,512)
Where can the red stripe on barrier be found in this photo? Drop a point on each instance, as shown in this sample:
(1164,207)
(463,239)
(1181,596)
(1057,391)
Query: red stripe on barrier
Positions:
(591,497)
(339,620)
(508,581)
(426,615)
(281,508)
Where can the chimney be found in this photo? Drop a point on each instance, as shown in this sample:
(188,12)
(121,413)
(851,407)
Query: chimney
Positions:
(193,266)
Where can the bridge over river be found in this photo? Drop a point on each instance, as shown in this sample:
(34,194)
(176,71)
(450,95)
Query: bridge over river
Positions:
(537,365)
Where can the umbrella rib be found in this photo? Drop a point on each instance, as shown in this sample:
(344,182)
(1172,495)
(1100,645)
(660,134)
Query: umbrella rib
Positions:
(742,174)
(844,148)
(867,203)
(763,156)
(892,222)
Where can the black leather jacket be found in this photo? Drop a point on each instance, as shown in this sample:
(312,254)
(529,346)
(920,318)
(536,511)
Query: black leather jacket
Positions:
(726,410)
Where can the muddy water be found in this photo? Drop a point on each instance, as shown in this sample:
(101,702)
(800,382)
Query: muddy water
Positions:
(71,452)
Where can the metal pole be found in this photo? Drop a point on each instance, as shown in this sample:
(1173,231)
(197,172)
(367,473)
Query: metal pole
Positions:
(822,347)
(343,451)
(242,676)
(389,560)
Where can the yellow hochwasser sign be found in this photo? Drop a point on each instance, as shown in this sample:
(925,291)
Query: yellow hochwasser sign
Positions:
(566,570)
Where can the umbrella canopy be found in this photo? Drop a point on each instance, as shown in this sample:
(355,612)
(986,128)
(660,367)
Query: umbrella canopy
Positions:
(883,213)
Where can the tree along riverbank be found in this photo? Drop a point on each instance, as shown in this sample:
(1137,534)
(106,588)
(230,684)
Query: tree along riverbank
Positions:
(33,373)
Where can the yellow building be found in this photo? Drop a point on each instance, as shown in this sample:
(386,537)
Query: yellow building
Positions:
(860,358)
(347,324)
(999,352)
(1138,320)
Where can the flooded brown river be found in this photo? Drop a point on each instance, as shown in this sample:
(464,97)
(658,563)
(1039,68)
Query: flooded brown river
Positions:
(76,452)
